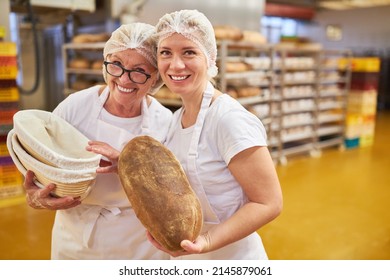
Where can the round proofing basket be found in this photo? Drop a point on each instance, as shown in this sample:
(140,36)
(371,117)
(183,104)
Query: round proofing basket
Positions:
(68,182)
(15,158)
(53,141)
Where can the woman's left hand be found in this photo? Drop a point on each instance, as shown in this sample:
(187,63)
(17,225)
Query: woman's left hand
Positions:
(106,166)
(200,245)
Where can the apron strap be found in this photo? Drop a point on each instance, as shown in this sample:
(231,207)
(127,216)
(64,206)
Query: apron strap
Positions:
(208,213)
(206,101)
(145,128)
(99,106)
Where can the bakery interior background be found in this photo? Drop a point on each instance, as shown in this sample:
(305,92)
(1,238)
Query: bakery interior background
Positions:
(57,23)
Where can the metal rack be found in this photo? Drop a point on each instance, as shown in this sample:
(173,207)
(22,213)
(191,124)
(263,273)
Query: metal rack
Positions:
(303,94)
(90,51)
(310,79)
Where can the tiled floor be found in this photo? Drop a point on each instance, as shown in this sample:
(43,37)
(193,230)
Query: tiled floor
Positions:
(335,207)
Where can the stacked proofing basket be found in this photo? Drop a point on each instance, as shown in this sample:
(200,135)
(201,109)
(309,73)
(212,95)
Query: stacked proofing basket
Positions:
(54,150)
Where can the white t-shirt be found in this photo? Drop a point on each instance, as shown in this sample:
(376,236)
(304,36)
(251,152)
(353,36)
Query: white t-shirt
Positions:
(228,129)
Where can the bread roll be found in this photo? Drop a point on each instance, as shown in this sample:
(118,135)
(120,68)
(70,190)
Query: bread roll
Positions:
(159,192)
(227,32)
(97,64)
(253,37)
(90,38)
(248,91)
(237,67)
(79,63)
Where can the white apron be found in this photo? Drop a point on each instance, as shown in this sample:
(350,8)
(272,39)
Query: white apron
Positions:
(250,247)
(104,232)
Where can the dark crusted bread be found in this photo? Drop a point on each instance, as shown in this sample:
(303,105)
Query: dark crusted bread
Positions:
(159,192)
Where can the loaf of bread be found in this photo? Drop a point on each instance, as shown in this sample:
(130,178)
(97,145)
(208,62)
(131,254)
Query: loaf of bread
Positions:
(237,66)
(159,192)
(79,63)
(248,91)
(90,38)
(227,32)
(253,37)
(97,64)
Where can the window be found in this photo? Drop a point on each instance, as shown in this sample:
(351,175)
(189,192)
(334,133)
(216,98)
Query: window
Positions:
(274,28)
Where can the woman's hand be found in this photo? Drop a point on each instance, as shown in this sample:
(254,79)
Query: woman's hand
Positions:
(41,199)
(106,166)
(200,245)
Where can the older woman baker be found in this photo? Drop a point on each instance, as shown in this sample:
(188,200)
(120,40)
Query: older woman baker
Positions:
(103,225)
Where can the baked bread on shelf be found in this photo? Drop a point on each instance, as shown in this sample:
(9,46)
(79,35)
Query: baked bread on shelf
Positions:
(248,91)
(237,66)
(97,64)
(79,63)
(90,38)
(253,37)
(227,32)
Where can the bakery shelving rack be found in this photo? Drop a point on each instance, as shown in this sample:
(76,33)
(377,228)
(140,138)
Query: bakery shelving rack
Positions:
(333,88)
(245,72)
(300,95)
(296,76)
(85,75)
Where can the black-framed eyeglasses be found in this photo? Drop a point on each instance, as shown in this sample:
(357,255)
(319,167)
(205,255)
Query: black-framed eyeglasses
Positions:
(116,70)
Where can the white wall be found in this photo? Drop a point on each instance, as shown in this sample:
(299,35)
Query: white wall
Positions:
(363,29)
(243,14)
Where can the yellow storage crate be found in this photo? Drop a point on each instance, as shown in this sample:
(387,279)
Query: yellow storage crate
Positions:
(3,150)
(368,127)
(9,94)
(366,140)
(361,64)
(8,169)
(8,49)
(16,180)
(8,72)
(353,119)
(362,102)
(8,61)
(11,181)
(10,192)
(352,131)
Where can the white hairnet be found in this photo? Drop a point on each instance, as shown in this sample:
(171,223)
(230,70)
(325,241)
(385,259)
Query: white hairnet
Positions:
(136,36)
(195,26)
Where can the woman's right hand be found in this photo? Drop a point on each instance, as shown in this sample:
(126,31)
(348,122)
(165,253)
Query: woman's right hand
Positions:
(40,198)
(101,148)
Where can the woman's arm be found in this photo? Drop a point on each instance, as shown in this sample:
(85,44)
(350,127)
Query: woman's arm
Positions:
(254,170)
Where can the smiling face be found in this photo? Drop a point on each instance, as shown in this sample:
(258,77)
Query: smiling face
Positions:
(182,65)
(126,96)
